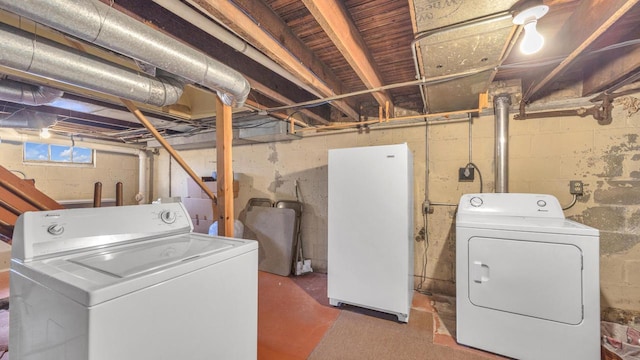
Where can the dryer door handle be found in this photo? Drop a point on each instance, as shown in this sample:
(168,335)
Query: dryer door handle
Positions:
(479,272)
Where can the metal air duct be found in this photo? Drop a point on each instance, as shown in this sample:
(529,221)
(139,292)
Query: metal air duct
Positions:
(49,59)
(27,94)
(27,119)
(100,24)
(501,105)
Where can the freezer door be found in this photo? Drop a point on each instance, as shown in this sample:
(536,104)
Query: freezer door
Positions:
(530,278)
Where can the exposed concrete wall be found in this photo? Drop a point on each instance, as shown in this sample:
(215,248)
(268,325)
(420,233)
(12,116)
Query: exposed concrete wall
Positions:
(545,154)
(77,182)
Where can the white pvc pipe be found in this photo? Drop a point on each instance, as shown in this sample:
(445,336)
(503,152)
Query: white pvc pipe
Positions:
(141,196)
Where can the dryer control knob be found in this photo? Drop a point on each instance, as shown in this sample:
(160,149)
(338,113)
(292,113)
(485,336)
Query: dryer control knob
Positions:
(55,229)
(168,217)
(476,201)
(542,203)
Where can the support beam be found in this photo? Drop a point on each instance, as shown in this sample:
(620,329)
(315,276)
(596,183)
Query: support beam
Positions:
(337,24)
(172,152)
(239,21)
(590,20)
(224,138)
(272,94)
(606,71)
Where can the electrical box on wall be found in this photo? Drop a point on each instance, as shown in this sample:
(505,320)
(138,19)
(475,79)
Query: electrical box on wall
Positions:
(466,173)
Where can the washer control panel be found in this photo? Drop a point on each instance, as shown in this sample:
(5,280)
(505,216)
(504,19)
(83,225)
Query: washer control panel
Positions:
(44,233)
(511,204)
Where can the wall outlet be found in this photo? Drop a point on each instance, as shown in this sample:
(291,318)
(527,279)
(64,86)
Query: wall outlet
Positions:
(576,187)
(466,173)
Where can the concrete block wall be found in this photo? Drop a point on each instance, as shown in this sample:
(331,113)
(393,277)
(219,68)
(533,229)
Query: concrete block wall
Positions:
(544,155)
(77,182)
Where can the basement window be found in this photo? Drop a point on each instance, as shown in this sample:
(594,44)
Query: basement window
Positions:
(57,154)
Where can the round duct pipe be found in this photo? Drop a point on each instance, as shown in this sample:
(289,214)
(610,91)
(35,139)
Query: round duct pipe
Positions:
(100,24)
(501,105)
(27,119)
(27,94)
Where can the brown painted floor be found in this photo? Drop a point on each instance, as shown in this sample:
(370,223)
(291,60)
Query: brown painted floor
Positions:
(295,321)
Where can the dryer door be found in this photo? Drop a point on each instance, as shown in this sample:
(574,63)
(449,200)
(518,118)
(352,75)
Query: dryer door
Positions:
(537,279)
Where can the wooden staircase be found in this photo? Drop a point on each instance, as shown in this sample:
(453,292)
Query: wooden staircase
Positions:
(18,196)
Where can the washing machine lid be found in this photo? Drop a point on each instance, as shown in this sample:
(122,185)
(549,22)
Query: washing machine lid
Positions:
(97,254)
(99,275)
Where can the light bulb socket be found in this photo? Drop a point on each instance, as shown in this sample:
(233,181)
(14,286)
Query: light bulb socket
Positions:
(532,13)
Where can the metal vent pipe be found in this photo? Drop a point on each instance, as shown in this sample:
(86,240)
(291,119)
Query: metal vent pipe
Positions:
(501,105)
(27,119)
(27,94)
(49,59)
(100,24)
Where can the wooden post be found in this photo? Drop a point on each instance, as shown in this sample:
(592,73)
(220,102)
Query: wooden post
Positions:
(224,138)
(97,194)
(119,194)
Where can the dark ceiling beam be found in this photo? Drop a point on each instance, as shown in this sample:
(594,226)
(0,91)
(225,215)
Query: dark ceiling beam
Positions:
(336,22)
(604,70)
(279,47)
(590,20)
(166,21)
(267,91)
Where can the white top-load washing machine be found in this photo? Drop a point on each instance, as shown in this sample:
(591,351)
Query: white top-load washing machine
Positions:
(527,279)
(130,282)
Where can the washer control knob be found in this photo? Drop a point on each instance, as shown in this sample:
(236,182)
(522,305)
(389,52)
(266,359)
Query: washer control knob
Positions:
(475,201)
(55,229)
(542,203)
(168,217)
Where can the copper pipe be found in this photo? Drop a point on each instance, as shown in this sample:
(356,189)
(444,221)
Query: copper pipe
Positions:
(119,197)
(97,194)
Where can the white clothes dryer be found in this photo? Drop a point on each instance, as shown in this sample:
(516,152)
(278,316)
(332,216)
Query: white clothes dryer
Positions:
(130,283)
(527,279)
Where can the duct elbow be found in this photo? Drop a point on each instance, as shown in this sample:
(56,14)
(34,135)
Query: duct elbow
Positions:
(170,90)
(236,99)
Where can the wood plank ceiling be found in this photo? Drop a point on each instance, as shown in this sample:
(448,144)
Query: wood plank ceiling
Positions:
(329,48)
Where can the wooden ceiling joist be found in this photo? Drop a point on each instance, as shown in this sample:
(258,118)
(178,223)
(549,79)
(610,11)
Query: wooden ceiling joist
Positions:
(238,21)
(337,24)
(591,19)
(268,92)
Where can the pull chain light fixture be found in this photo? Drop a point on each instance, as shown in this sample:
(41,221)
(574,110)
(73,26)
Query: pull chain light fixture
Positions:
(532,41)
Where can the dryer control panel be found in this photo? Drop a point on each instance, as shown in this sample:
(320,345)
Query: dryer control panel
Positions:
(511,204)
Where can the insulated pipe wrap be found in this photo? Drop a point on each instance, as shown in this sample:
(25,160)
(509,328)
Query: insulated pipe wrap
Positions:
(54,61)
(102,25)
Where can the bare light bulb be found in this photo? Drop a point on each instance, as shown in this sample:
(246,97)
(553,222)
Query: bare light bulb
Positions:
(44,133)
(532,41)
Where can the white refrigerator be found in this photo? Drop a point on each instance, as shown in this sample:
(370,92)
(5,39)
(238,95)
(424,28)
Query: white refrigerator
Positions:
(370,228)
